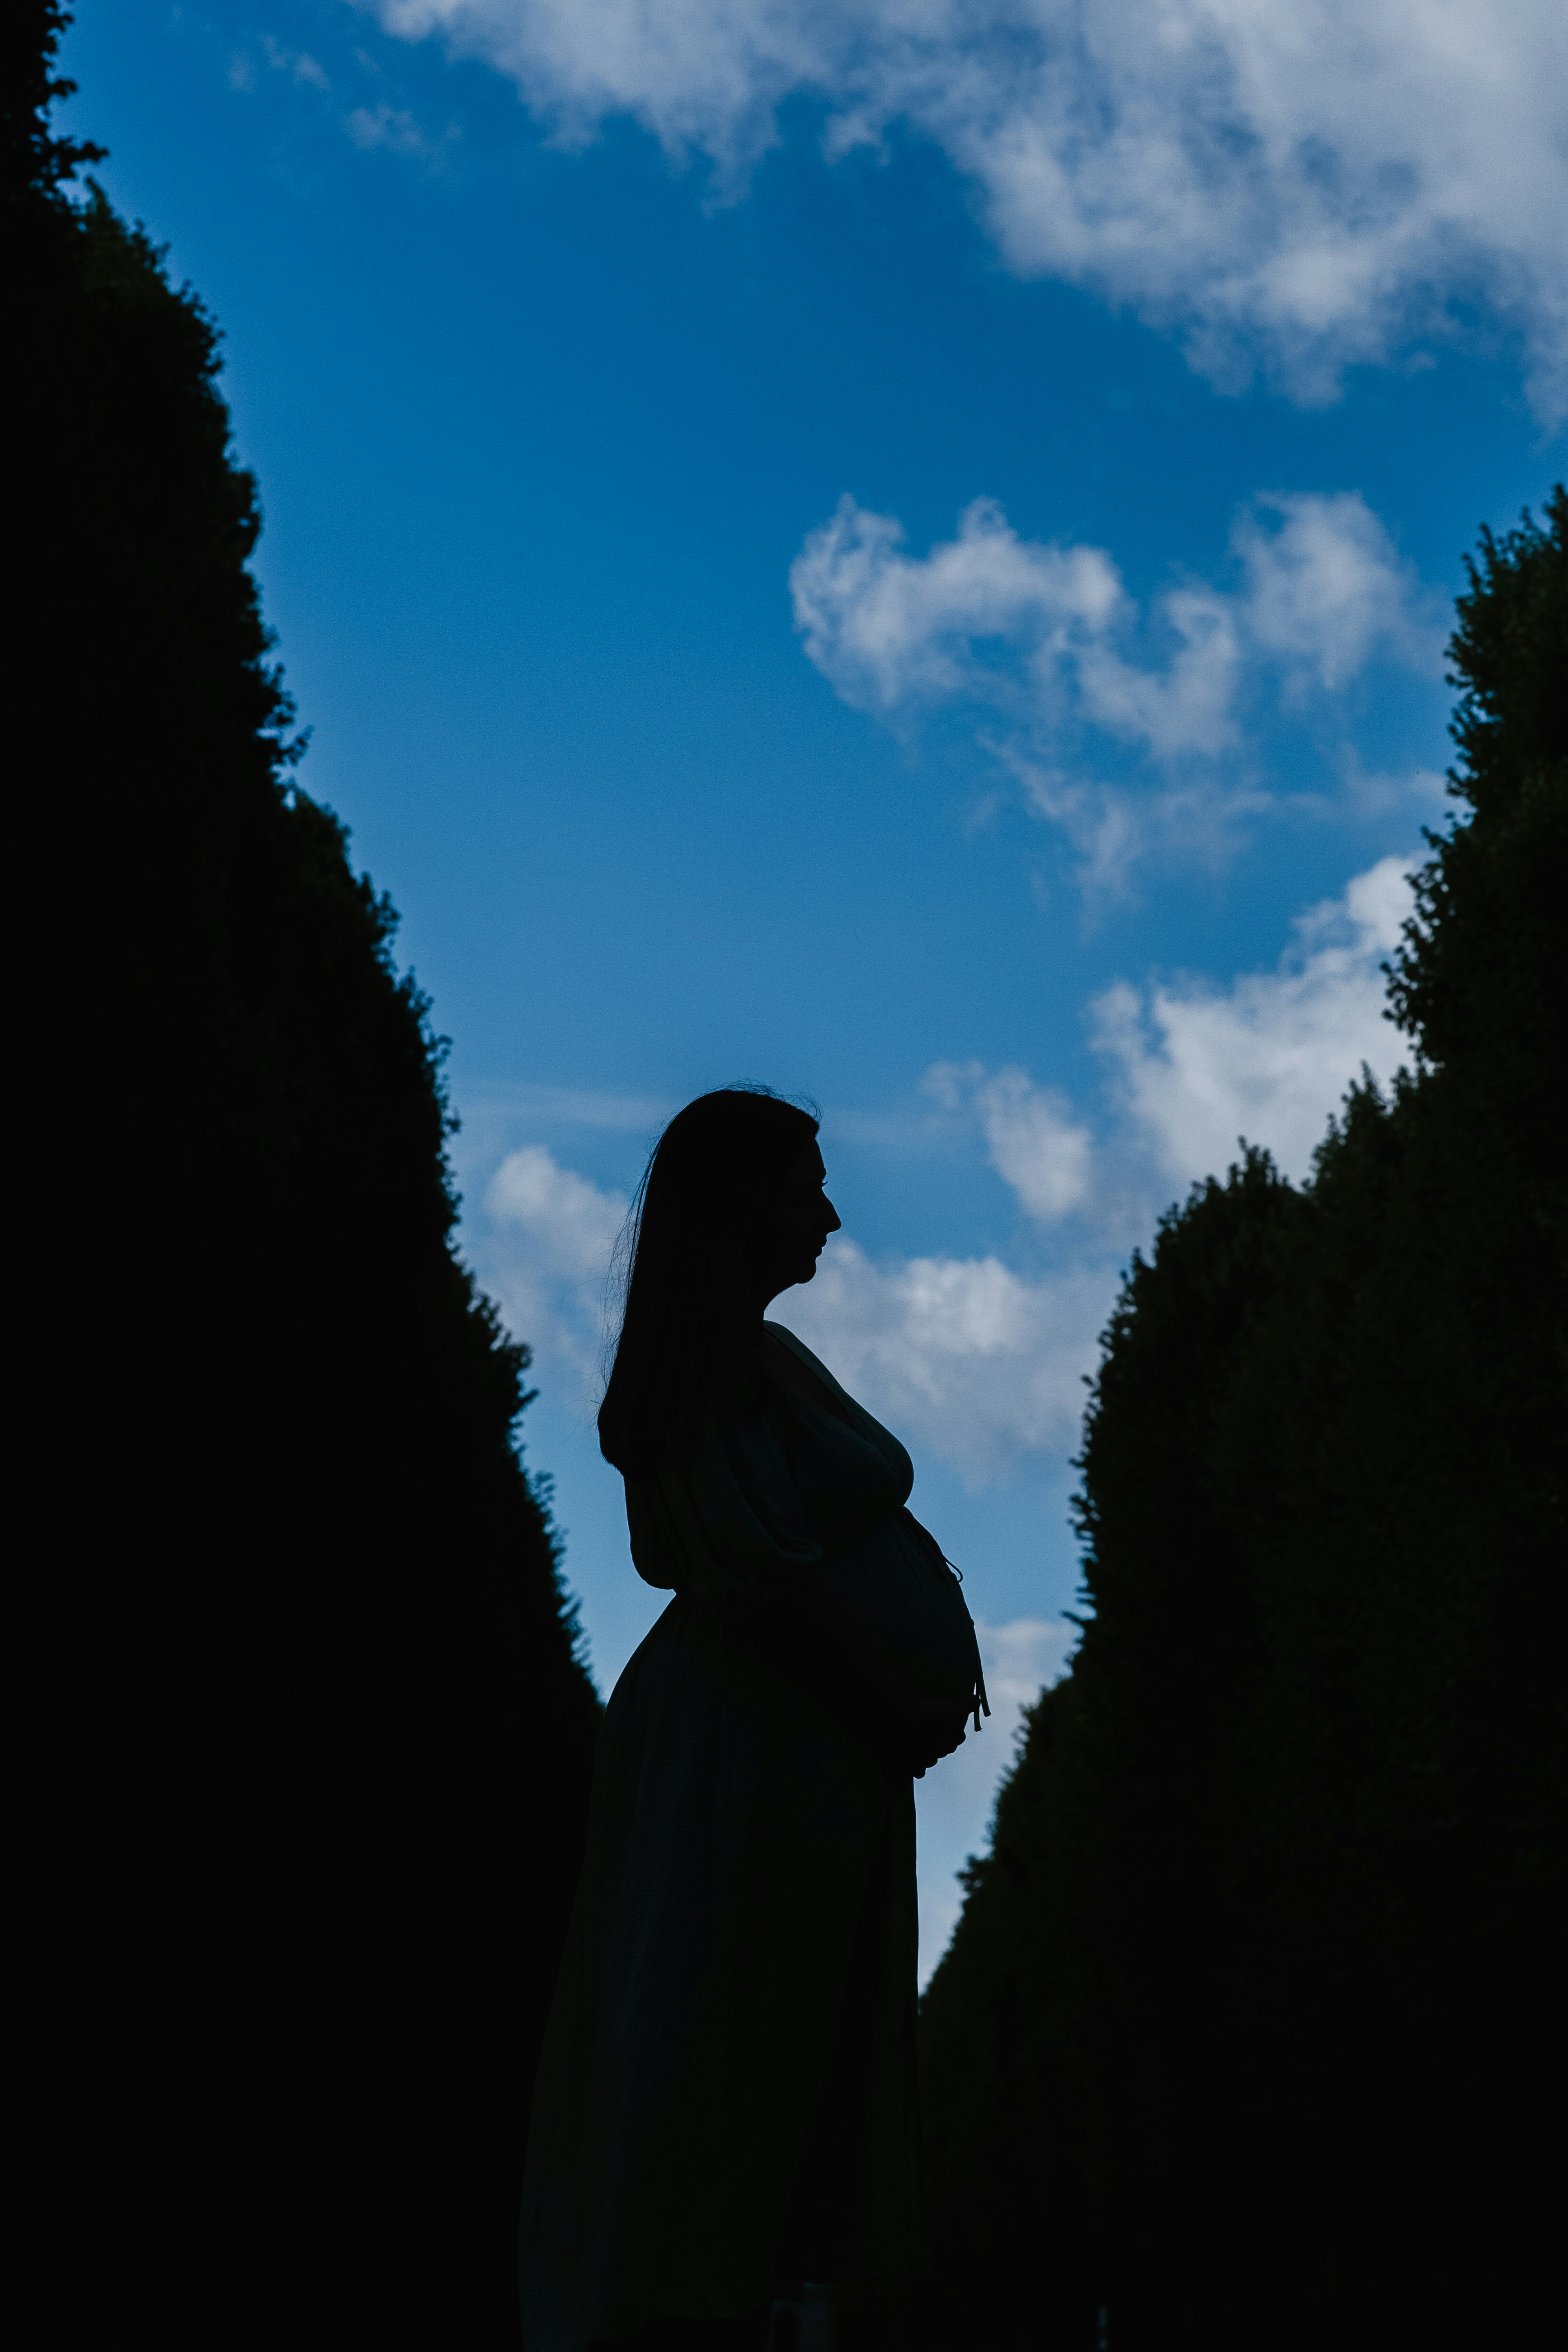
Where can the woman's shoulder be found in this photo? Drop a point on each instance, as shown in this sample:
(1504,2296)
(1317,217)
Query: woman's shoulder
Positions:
(799,1348)
(806,1378)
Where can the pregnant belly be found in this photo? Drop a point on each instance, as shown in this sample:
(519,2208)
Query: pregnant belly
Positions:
(893,1583)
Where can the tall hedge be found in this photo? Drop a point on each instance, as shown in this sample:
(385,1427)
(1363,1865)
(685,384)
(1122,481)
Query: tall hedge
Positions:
(315,1738)
(1244,2037)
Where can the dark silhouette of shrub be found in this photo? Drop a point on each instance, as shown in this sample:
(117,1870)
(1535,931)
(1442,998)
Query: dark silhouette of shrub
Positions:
(318,1738)
(1240,2039)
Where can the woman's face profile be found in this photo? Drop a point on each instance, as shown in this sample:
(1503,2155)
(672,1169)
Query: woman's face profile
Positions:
(801,1220)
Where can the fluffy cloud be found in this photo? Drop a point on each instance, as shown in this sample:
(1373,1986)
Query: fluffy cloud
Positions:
(978,1365)
(544,1251)
(1325,589)
(1034,1142)
(1041,630)
(1197,1066)
(1047,639)
(1308,185)
(1193,1065)
(887,629)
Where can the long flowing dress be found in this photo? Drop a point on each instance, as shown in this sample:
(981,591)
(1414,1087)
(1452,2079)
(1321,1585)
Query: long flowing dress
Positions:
(726,2097)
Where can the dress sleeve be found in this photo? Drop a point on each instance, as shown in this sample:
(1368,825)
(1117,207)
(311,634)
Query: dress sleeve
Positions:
(729,1525)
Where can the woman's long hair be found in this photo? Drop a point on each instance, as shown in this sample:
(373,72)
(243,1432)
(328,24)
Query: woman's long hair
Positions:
(688,1254)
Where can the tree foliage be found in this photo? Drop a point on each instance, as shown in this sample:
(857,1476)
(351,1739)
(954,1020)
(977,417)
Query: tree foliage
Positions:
(1241,2035)
(316,1718)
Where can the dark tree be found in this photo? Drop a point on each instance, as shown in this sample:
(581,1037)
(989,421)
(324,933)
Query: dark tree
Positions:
(316,1739)
(1244,2036)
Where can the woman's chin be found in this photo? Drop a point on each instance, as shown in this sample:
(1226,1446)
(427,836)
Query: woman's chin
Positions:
(805,1271)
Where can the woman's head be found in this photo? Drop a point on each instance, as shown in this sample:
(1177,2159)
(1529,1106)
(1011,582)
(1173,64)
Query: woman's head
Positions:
(730,1213)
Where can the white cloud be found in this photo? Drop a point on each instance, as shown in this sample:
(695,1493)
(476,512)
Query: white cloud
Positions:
(1047,638)
(1193,1064)
(571,1223)
(980,1366)
(1038,629)
(1326,590)
(1033,1141)
(1311,186)
(1196,1066)
(887,629)
(543,1253)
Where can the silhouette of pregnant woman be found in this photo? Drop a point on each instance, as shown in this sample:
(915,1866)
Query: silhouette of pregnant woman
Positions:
(726,2103)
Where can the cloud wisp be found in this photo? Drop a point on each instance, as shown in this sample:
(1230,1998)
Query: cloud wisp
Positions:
(1301,188)
(1045,643)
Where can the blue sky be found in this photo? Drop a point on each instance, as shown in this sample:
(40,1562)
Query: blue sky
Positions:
(902,549)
